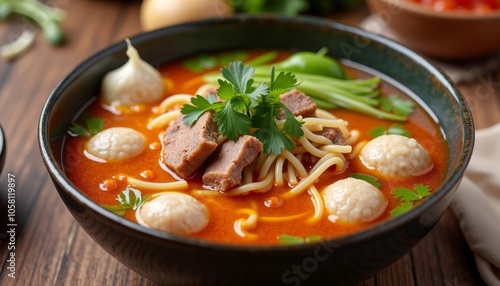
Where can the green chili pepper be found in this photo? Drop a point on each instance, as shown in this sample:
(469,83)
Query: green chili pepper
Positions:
(312,63)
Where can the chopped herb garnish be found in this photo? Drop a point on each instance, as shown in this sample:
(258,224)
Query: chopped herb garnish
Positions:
(369,179)
(408,196)
(402,208)
(289,239)
(93,125)
(419,192)
(378,131)
(398,129)
(246,105)
(395,129)
(129,199)
(397,105)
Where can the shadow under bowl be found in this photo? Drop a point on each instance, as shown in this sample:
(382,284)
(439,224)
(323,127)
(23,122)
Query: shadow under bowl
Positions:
(176,260)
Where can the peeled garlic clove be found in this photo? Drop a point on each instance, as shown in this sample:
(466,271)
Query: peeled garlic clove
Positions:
(135,82)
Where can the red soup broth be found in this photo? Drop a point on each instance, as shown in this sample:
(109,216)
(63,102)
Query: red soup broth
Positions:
(474,6)
(101,181)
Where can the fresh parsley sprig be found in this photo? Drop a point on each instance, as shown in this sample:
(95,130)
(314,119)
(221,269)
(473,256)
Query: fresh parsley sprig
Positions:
(408,196)
(129,199)
(245,105)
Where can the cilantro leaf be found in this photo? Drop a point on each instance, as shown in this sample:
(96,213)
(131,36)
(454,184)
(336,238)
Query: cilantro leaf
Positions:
(395,129)
(231,122)
(385,104)
(313,238)
(401,106)
(397,105)
(247,105)
(407,197)
(93,125)
(79,130)
(129,199)
(192,113)
(269,134)
(284,81)
(225,90)
(258,92)
(422,190)
(291,126)
(405,194)
(273,140)
(367,178)
(212,98)
(402,208)
(287,239)
(399,129)
(238,75)
(378,131)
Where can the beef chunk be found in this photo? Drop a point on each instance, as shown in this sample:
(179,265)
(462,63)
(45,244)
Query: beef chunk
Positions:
(187,147)
(333,134)
(298,103)
(227,163)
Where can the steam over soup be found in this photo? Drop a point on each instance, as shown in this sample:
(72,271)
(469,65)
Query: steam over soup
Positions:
(257,153)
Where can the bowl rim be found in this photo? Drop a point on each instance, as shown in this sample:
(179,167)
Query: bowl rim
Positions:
(378,229)
(424,10)
(3,148)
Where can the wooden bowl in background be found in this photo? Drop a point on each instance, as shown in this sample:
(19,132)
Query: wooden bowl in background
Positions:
(449,35)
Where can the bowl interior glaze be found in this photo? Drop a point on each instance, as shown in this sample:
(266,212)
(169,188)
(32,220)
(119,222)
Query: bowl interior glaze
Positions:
(168,258)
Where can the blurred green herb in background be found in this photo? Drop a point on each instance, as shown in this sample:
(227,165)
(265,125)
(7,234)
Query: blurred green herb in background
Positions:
(292,7)
(45,16)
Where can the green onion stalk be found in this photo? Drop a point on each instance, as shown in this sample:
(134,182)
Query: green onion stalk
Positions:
(323,79)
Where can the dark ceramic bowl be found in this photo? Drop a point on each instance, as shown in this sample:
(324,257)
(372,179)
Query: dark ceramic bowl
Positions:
(176,260)
(3,149)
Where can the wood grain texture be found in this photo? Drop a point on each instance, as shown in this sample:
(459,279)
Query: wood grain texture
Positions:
(51,249)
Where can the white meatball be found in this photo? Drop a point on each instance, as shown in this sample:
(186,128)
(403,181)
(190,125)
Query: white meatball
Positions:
(396,155)
(354,200)
(116,144)
(174,212)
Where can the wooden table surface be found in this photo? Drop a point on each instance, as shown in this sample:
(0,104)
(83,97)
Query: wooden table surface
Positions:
(50,247)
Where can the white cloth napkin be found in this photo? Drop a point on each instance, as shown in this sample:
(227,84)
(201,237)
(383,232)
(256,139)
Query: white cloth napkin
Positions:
(477,204)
